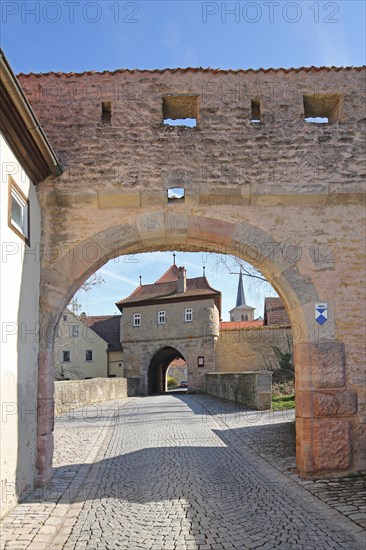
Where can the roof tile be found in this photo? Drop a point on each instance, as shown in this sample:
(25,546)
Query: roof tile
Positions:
(198,69)
(230,325)
(107,327)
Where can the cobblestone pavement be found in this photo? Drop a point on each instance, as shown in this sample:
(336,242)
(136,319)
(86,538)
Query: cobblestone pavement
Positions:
(173,473)
(272,436)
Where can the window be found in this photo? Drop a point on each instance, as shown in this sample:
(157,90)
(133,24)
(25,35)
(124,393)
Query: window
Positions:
(88,355)
(322,108)
(200,361)
(66,356)
(180,110)
(18,213)
(161,317)
(106,112)
(64,317)
(74,331)
(256,110)
(246,318)
(137,319)
(242,317)
(188,315)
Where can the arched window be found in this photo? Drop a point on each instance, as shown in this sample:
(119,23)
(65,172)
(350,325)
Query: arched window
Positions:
(246,318)
(242,317)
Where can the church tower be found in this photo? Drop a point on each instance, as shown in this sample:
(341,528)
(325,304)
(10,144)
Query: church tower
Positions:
(241,312)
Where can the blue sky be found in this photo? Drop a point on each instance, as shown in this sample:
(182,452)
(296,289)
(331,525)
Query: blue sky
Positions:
(83,35)
(121,277)
(41,36)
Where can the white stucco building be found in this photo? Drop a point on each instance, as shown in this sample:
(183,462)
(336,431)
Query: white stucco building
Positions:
(88,347)
(26,159)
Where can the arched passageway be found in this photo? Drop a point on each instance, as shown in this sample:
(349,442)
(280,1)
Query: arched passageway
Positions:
(319,355)
(158,367)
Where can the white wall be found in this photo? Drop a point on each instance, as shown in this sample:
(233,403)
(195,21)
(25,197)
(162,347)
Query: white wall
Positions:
(19,306)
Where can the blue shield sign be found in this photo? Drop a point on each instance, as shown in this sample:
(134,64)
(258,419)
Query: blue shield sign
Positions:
(321,313)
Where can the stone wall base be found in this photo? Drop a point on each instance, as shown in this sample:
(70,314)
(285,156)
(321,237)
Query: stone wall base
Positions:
(252,389)
(72,394)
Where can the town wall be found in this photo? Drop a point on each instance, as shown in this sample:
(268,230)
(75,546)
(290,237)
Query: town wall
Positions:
(284,194)
(251,349)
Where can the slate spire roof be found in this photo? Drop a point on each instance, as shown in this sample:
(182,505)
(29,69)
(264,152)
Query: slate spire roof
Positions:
(240,297)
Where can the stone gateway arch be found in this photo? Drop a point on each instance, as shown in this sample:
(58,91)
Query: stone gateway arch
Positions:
(269,167)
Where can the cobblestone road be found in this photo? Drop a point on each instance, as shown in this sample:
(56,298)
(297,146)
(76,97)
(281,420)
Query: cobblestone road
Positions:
(174,473)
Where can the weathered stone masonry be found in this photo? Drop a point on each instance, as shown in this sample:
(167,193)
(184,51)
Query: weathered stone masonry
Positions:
(284,194)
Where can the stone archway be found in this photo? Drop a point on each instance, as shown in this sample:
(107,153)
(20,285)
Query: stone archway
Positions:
(277,194)
(323,440)
(158,367)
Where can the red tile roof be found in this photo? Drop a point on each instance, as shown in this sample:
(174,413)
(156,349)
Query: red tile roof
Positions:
(238,325)
(198,69)
(275,312)
(166,288)
(178,363)
(107,327)
(171,274)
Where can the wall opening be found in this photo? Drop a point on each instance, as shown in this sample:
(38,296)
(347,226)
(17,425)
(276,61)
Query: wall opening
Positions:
(255,111)
(106,112)
(180,111)
(176,194)
(322,108)
(177,375)
(158,367)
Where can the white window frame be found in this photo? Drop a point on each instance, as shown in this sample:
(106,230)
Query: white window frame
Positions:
(161,318)
(137,319)
(188,315)
(86,359)
(62,356)
(75,331)
(15,193)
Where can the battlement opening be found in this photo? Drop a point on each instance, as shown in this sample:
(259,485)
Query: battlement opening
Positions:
(256,111)
(180,110)
(176,194)
(322,108)
(106,112)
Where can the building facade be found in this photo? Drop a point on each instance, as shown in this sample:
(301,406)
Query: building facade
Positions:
(26,159)
(175,317)
(88,347)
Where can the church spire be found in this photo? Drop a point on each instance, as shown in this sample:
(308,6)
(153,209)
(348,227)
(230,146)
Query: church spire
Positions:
(240,297)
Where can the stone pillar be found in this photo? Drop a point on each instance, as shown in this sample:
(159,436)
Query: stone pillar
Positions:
(45,416)
(324,409)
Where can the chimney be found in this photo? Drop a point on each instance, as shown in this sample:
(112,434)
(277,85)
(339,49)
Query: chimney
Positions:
(182,282)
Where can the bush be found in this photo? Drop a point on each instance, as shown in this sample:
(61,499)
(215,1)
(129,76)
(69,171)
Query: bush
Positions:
(171,382)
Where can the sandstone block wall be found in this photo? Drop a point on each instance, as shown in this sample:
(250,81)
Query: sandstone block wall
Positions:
(284,194)
(205,321)
(71,394)
(137,358)
(251,349)
(252,389)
